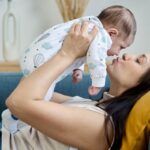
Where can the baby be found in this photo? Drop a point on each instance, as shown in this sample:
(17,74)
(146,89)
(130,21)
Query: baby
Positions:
(117,29)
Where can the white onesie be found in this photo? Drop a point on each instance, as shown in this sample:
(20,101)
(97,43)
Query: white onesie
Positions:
(49,43)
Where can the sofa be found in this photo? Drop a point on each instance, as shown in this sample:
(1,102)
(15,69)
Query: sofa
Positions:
(9,80)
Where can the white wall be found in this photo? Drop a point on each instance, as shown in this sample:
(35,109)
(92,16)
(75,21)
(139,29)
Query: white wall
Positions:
(141,9)
(38,15)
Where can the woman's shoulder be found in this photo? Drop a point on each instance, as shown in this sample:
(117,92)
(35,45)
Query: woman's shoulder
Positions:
(81,102)
(91,105)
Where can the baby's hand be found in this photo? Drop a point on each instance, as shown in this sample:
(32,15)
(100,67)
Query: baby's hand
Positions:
(93,90)
(77,75)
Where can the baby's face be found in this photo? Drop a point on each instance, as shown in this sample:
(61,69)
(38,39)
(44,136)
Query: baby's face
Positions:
(119,43)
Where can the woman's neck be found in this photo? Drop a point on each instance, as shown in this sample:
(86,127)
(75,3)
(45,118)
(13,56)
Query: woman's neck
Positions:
(116,90)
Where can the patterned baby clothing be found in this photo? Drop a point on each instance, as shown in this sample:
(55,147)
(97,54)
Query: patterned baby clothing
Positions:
(50,42)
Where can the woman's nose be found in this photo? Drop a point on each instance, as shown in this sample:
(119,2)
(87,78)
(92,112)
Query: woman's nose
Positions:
(126,56)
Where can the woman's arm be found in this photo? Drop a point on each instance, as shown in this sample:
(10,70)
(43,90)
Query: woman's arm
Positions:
(60,98)
(72,126)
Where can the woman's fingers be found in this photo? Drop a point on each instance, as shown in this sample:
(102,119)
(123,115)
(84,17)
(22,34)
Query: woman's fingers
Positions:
(72,28)
(78,40)
(84,28)
(94,32)
(85,31)
(77,28)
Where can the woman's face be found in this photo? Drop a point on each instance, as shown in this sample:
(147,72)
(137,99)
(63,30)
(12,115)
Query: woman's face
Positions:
(126,71)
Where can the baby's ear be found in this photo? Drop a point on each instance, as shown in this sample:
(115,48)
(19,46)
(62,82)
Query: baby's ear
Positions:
(113,32)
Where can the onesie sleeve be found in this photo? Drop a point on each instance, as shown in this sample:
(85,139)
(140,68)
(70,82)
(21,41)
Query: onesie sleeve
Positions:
(96,58)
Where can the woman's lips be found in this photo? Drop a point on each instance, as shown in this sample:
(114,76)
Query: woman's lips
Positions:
(118,59)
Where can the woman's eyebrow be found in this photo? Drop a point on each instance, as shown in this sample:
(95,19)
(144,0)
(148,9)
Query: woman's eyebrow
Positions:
(143,55)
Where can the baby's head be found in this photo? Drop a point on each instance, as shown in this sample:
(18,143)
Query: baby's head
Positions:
(120,24)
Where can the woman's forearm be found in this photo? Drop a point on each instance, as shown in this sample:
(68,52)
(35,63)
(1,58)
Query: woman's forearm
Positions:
(60,98)
(36,85)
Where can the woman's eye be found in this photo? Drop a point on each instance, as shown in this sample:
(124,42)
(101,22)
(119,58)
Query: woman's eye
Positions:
(138,61)
(141,60)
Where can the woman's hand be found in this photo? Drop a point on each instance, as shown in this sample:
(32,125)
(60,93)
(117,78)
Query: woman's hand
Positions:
(78,40)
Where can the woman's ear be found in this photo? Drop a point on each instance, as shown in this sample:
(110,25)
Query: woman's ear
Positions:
(113,32)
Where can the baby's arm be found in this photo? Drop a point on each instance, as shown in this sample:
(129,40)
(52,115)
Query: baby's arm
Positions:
(96,57)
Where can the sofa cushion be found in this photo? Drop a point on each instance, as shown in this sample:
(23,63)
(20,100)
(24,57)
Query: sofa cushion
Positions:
(80,89)
(8,82)
(137,129)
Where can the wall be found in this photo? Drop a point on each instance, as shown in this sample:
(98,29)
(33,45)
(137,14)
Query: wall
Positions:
(141,9)
(35,16)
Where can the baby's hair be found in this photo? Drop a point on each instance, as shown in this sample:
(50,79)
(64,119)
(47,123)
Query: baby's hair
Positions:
(119,17)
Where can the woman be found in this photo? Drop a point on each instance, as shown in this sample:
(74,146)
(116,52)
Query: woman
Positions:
(82,125)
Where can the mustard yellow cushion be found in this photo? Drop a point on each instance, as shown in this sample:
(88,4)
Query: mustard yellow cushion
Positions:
(137,130)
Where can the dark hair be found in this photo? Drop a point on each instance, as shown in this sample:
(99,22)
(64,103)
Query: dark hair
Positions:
(120,106)
(119,17)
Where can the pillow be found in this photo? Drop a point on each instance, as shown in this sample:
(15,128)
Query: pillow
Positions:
(149,144)
(137,130)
